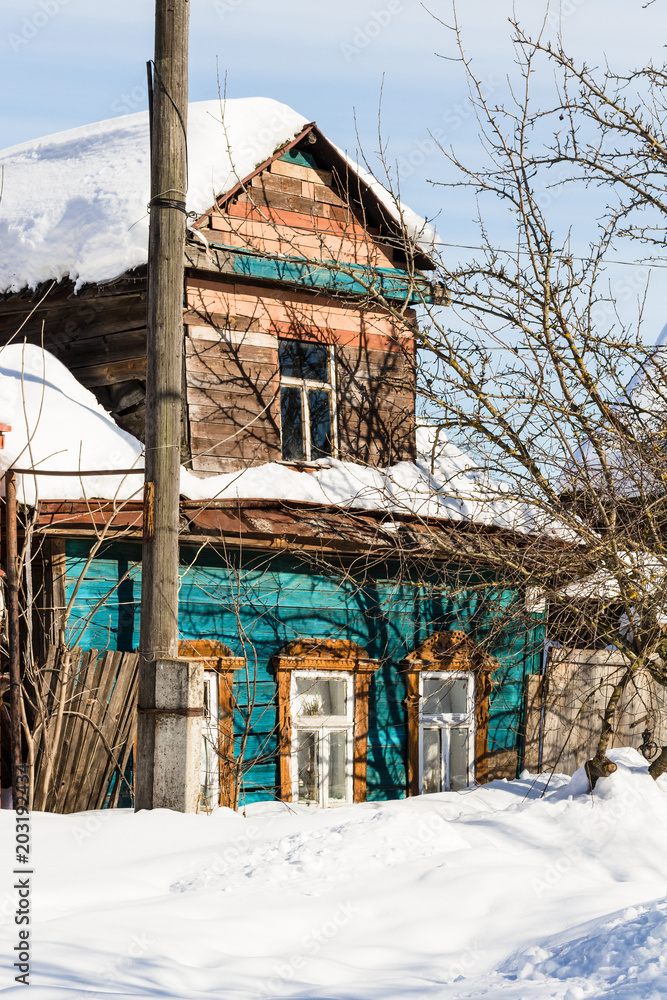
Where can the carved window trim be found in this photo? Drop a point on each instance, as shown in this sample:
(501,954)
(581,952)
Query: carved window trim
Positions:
(217,658)
(328,656)
(445,652)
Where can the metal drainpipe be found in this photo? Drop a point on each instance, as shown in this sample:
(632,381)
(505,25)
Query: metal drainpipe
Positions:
(545,656)
(13,626)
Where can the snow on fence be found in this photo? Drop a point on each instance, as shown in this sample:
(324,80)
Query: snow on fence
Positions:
(89,716)
(564,709)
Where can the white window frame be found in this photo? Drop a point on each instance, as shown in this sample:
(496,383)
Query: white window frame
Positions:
(324,726)
(446,722)
(210,732)
(305,384)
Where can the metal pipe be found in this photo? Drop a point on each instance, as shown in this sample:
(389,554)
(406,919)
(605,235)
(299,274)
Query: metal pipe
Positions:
(13,637)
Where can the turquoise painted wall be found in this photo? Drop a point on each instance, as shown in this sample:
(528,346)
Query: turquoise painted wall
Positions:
(279,598)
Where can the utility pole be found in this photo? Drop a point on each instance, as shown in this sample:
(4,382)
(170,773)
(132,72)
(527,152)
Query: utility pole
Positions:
(164,347)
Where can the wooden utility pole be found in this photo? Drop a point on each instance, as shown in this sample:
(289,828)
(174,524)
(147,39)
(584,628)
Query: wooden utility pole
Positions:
(164,347)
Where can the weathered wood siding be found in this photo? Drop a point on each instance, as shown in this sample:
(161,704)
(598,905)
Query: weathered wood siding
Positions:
(299,210)
(564,709)
(233,385)
(292,208)
(376,401)
(279,599)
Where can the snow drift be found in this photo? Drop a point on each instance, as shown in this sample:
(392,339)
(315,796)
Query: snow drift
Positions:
(494,892)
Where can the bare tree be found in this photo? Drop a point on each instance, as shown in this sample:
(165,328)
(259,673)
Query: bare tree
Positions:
(535,369)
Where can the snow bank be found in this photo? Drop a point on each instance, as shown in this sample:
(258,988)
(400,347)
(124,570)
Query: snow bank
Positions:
(58,425)
(74,203)
(494,893)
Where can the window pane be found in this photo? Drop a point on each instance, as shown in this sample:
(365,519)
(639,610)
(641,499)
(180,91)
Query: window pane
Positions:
(445,696)
(291,423)
(320,696)
(319,406)
(458,759)
(337,767)
(210,740)
(315,362)
(432,761)
(289,358)
(299,359)
(308,764)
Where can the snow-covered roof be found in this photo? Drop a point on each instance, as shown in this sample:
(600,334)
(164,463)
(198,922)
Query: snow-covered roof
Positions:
(642,403)
(74,204)
(58,425)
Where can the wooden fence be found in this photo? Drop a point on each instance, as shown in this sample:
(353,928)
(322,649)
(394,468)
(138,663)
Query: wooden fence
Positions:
(95,696)
(563,709)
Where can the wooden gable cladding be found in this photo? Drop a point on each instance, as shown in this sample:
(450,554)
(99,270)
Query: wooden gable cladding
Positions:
(294,209)
(232,380)
(325,655)
(453,651)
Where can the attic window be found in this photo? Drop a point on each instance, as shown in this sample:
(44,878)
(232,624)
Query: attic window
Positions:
(306,400)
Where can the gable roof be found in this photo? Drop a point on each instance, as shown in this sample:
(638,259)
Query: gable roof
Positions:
(379,209)
(74,203)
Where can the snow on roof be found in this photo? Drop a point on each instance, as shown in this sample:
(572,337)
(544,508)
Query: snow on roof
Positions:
(58,425)
(642,402)
(74,203)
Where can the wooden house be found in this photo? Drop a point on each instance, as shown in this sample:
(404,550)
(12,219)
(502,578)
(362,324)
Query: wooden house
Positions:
(351,653)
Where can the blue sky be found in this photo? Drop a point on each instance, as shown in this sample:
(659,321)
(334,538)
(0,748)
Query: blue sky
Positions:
(69,62)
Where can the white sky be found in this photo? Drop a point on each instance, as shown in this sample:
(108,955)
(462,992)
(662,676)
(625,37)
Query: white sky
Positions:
(69,62)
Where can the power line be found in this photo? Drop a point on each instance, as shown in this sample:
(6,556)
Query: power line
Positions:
(627,263)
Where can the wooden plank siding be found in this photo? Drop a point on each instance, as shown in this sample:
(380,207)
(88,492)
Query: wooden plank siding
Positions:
(278,598)
(564,708)
(231,386)
(296,210)
(232,377)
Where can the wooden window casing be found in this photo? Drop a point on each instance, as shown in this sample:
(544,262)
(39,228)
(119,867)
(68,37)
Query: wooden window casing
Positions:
(216,656)
(446,652)
(330,656)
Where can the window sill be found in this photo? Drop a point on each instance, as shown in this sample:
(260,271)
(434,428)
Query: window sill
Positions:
(321,463)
